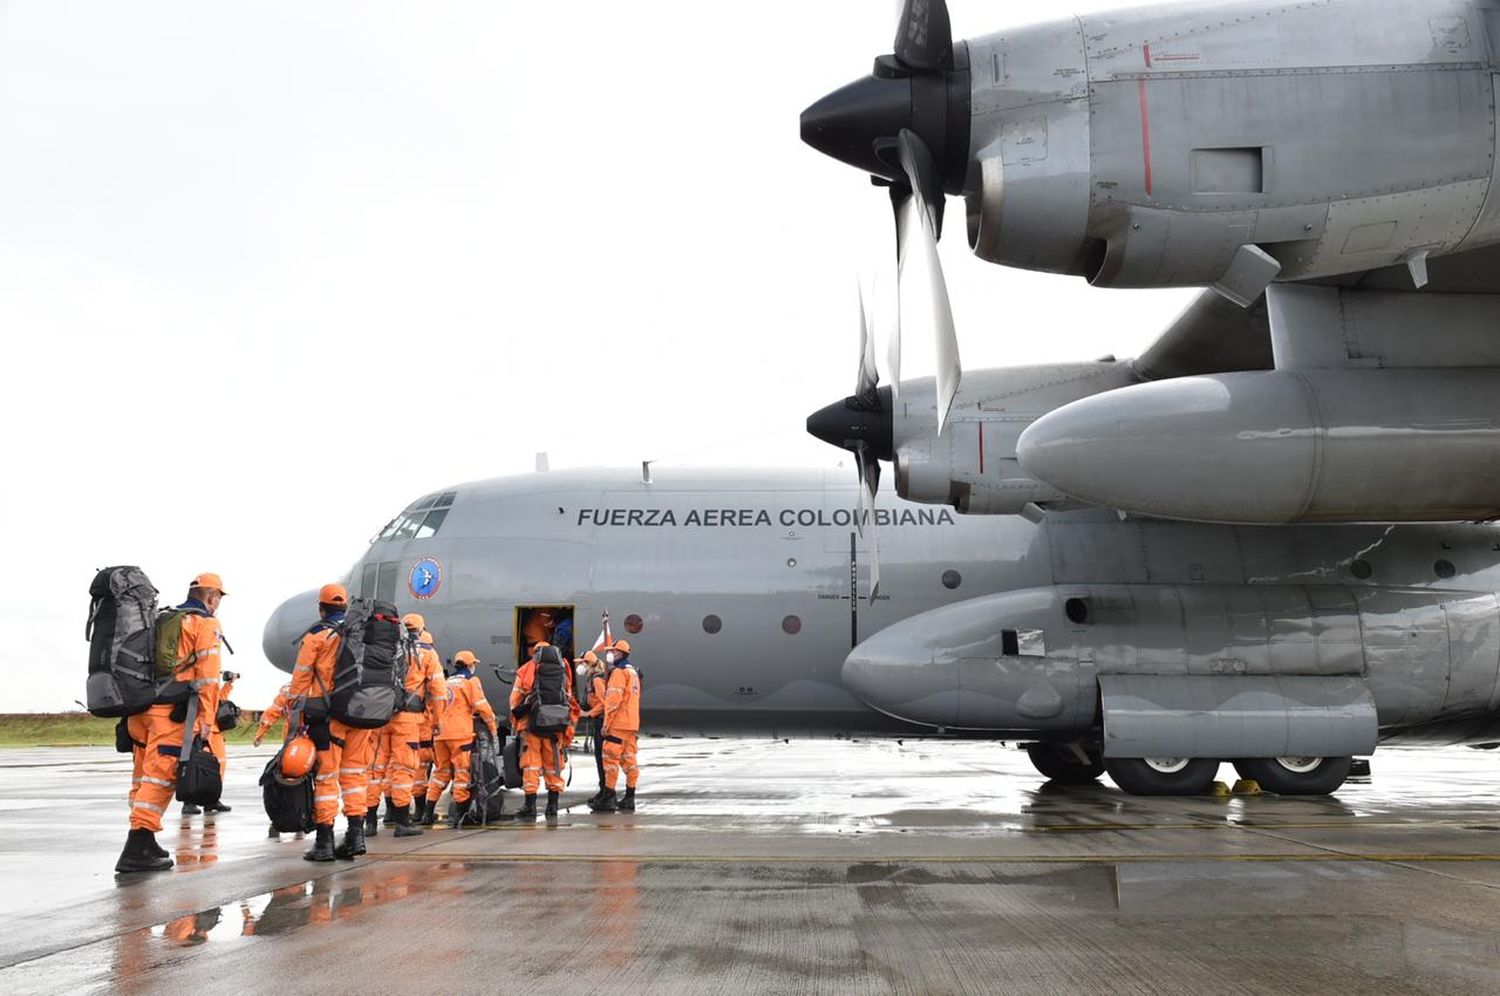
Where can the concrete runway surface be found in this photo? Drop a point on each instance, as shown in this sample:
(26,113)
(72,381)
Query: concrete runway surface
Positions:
(763,866)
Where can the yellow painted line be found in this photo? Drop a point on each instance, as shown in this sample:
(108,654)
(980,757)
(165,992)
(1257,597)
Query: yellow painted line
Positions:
(912,859)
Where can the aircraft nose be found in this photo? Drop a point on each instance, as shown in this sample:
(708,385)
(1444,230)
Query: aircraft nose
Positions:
(287,623)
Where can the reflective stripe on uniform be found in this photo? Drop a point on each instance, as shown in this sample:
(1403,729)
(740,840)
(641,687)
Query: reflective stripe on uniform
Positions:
(351,771)
(142,804)
(156,781)
(325,798)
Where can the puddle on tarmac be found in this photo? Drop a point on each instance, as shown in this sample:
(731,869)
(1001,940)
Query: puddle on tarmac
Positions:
(313,903)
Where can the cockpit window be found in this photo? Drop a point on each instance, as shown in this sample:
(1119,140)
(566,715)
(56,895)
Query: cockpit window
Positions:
(421,520)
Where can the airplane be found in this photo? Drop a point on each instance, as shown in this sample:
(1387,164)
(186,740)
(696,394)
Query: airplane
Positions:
(1327,169)
(1150,648)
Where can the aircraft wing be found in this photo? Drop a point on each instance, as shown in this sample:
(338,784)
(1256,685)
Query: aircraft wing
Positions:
(1214,335)
(1476,271)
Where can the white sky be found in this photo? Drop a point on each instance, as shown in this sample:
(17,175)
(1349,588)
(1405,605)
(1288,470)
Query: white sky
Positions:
(231,234)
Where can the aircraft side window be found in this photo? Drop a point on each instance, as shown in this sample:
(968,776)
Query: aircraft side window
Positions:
(712,624)
(367,580)
(385,584)
(408,527)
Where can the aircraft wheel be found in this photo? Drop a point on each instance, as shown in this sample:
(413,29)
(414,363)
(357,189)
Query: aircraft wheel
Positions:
(1162,775)
(1060,763)
(1296,775)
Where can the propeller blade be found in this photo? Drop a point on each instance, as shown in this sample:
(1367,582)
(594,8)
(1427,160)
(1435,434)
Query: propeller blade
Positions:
(869,375)
(888,313)
(869,483)
(922,176)
(924,36)
(924,302)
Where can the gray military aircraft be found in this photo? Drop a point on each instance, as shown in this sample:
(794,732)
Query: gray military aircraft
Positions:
(1152,648)
(1327,167)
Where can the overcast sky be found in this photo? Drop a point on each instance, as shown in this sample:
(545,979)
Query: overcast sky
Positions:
(236,240)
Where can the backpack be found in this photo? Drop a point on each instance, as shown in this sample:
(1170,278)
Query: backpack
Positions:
(165,642)
(199,781)
(486,780)
(289,804)
(369,678)
(549,693)
(121,632)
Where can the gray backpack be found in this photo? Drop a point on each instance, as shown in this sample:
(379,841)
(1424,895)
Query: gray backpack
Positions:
(121,631)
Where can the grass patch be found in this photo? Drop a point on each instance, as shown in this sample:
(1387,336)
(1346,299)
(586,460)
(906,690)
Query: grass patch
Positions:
(79,729)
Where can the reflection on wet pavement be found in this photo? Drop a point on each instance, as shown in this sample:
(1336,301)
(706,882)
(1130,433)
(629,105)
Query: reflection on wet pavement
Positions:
(763,866)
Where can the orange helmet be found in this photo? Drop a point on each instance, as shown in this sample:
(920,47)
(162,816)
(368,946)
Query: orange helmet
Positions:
(333,594)
(622,646)
(297,757)
(414,620)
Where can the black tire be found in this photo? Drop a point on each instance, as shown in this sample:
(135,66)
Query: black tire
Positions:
(1059,763)
(1154,776)
(1296,776)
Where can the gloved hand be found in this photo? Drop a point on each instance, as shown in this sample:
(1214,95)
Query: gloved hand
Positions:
(259,736)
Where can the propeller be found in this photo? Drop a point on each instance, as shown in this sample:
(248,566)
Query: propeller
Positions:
(907,124)
(861,424)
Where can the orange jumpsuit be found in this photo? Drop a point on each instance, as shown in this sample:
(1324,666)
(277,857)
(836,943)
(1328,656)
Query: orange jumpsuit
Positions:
(377,783)
(424,678)
(541,755)
(454,737)
(278,709)
(216,740)
(622,722)
(158,738)
(595,714)
(343,751)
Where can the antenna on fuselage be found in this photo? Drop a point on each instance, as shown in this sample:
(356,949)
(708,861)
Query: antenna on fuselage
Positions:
(646,471)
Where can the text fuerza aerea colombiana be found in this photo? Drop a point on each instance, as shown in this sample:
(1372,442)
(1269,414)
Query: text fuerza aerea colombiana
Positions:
(749,518)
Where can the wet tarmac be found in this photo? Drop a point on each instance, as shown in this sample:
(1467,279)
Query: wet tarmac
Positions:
(772,867)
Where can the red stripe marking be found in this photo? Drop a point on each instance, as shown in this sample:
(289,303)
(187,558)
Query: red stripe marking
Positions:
(981,448)
(1146,49)
(1145,134)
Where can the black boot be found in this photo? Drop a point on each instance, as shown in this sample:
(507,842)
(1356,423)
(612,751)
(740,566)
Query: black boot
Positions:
(594,798)
(190,809)
(322,849)
(429,813)
(528,811)
(605,803)
(551,803)
(274,834)
(456,811)
(390,812)
(372,822)
(627,804)
(218,807)
(140,854)
(403,824)
(353,844)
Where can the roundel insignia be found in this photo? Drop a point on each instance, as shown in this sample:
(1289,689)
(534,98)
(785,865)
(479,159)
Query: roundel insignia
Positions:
(426,578)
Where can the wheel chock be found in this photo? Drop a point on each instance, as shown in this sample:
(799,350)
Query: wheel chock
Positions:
(1219,791)
(1246,786)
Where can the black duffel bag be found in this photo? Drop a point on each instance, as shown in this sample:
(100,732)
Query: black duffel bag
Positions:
(510,756)
(227,717)
(288,801)
(198,780)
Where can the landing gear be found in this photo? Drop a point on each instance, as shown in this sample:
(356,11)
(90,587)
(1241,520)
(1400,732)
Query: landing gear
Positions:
(1162,775)
(1063,764)
(1296,775)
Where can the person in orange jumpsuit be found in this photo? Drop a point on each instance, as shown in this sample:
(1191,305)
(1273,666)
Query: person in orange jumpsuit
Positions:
(216,744)
(592,670)
(622,723)
(422,812)
(453,736)
(270,717)
(160,737)
(541,754)
(343,751)
(424,685)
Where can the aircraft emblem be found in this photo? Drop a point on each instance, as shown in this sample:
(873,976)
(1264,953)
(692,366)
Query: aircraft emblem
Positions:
(426,578)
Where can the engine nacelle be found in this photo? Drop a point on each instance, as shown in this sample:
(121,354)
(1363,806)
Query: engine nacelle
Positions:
(972,465)
(1232,144)
(1282,446)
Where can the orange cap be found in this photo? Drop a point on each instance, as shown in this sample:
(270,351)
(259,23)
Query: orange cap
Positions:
(465,658)
(589,658)
(623,646)
(333,594)
(413,620)
(207,580)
